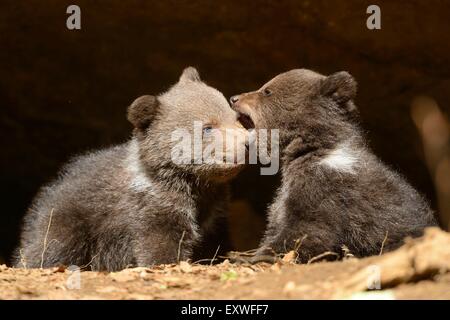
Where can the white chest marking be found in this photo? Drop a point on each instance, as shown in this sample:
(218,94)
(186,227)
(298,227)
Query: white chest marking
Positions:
(139,181)
(342,159)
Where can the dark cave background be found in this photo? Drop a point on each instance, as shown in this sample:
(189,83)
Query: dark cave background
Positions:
(63,92)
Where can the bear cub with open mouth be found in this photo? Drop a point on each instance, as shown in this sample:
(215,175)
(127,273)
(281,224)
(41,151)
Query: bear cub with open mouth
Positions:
(334,192)
(132,205)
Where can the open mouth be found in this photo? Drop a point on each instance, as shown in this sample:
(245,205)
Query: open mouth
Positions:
(246,121)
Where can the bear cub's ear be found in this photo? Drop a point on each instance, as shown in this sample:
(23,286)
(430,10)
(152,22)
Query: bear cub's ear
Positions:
(142,111)
(190,74)
(339,86)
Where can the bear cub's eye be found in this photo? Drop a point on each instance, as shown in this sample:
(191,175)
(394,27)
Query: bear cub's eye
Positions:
(267,92)
(207,129)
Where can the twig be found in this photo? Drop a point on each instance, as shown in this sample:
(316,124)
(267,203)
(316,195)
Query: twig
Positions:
(45,239)
(86,265)
(23,260)
(179,246)
(347,252)
(248,253)
(210,260)
(215,254)
(298,244)
(384,241)
(199,262)
(320,256)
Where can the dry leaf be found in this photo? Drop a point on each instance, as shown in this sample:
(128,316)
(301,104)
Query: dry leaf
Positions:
(290,257)
(185,267)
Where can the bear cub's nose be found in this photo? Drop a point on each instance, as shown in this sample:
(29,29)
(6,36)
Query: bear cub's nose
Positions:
(234,99)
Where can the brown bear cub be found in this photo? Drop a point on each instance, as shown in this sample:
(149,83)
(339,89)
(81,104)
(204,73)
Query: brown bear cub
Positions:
(132,205)
(334,190)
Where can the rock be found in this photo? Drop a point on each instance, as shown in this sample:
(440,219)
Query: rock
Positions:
(419,258)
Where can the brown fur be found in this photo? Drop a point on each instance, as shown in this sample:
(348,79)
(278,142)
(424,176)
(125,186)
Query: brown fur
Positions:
(334,190)
(131,205)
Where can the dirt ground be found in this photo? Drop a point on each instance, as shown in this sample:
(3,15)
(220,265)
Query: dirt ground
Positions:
(418,270)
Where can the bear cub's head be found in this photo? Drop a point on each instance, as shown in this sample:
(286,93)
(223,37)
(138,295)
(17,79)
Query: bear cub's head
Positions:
(302,104)
(179,131)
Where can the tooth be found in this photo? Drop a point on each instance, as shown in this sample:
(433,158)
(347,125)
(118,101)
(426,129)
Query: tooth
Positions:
(239,124)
